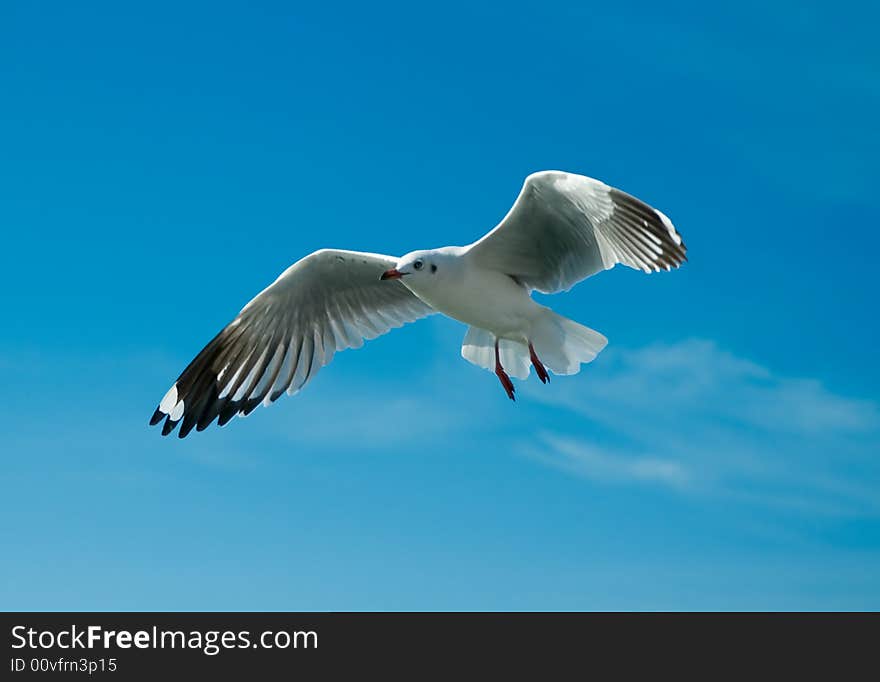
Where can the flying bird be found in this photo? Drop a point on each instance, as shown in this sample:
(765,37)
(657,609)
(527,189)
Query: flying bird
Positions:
(561,229)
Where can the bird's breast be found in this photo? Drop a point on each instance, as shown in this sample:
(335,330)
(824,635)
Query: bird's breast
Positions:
(486,299)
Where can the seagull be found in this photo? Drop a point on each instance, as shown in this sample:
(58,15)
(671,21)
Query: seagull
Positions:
(561,229)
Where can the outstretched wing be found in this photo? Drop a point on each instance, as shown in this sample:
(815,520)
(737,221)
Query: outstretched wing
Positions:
(328,301)
(565,227)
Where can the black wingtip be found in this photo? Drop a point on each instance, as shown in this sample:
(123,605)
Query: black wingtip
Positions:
(189,421)
(157,417)
(227,413)
(168,426)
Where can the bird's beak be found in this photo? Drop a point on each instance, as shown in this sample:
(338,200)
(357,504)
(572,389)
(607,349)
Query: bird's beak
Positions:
(393,273)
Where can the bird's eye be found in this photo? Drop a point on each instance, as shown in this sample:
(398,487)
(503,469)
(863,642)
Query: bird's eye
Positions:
(418,265)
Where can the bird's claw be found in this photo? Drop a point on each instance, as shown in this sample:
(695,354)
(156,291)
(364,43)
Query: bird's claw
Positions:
(540,370)
(506,383)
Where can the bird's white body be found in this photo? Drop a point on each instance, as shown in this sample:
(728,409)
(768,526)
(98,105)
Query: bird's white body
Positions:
(478,297)
(561,229)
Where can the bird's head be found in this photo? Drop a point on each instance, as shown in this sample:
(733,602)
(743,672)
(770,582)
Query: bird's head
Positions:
(418,267)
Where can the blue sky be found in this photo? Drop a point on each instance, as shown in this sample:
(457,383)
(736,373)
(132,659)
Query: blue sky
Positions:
(160,163)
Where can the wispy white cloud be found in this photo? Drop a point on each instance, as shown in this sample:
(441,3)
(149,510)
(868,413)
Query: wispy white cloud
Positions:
(687,417)
(605,465)
(696,418)
(698,377)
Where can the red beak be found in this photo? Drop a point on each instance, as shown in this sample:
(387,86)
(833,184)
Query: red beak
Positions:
(393,273)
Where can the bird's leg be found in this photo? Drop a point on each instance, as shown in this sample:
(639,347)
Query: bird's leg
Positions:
(502,375)
(538,365)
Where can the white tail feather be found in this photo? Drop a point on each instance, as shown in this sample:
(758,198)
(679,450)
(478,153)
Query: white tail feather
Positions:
(561,344)
(478,347)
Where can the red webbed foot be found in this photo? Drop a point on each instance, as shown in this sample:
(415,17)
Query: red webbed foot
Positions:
(502,376)
(540,370)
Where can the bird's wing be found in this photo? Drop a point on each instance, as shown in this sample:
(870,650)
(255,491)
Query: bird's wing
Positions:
(565,227)
(328,301)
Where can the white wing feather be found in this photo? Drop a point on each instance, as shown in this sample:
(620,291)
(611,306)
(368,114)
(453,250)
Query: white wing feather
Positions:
(565,227)
(328,301)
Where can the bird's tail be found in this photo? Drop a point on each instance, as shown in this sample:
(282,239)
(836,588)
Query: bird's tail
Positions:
(561,344)
(478,347)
